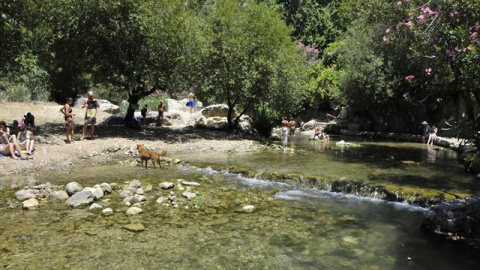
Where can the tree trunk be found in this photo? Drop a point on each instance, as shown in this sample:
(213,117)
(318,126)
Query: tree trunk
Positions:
(133,98)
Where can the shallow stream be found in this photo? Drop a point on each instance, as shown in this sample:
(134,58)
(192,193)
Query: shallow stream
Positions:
(290,228)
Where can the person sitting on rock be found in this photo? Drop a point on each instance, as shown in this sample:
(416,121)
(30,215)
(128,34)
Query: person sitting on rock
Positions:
(432,133)
(319,134)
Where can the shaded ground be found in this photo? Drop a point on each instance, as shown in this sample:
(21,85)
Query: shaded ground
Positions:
(110,144)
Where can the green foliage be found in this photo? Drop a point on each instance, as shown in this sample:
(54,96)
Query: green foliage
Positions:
(249,62)
(468,160)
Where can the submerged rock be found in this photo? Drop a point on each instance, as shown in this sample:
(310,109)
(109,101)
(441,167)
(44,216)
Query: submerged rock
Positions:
(133,211)
(73,187)
(24,194)
(95,206)
(30,203)
(194,184)
(134,227)
(166,185)
(248,209)
(456,218)
(189,195)
(84,197)
(58,195)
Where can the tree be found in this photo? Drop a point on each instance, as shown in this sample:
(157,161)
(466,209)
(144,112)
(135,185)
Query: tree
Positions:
(132,47)
(249,60)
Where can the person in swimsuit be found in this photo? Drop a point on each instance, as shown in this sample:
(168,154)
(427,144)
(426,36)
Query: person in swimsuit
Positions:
(5,136)
(90,115)
(293,127)
(9,150)
(26,139)
(160,109)
(66,110)
(191,101)
(432,133)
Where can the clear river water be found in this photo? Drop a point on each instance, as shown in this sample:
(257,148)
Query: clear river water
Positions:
(292,227)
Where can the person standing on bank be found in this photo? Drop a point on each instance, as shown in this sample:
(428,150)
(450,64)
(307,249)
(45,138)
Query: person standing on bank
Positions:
(160,110)
(90,115)
(191,101)
(66,110)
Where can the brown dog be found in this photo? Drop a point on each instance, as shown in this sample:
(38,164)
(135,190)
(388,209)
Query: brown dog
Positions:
(146,155)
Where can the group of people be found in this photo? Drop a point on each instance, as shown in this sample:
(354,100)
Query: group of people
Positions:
(429,132)
(160,110)
(13,145)
(90,117)
(290,125)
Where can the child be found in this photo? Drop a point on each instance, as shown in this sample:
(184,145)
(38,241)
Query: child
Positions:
(26,139)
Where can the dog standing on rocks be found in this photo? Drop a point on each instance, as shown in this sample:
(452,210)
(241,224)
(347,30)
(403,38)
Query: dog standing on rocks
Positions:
(146,155)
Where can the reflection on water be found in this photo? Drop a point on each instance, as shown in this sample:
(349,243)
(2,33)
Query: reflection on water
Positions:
(290,228)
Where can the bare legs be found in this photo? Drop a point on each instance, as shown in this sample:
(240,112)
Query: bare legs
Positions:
(9,149)
(92,130)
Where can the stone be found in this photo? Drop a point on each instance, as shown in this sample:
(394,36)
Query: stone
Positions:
(73,187)
(459,217)
(161,199)
(24,194)
(97,191)
(30,203)
(134,227)
(84,197)
(248,209)
(172,197)
(95,206)
(126,193)
(133,211)
(58,195)
(107,188)
(166,185)
(135,184)
(147,188)
(139,191)
(189,195)
(107,211)
(194,184)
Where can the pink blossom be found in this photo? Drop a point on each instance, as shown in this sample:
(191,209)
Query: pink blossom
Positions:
(387,30)
(300,45)
(409,78)
(408,1)
(385,38)
(421,19)
(405,95)
(408,24)
(450,53)
(399,3)
(469,48)
(398,26)
(474,35)
(428,70)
